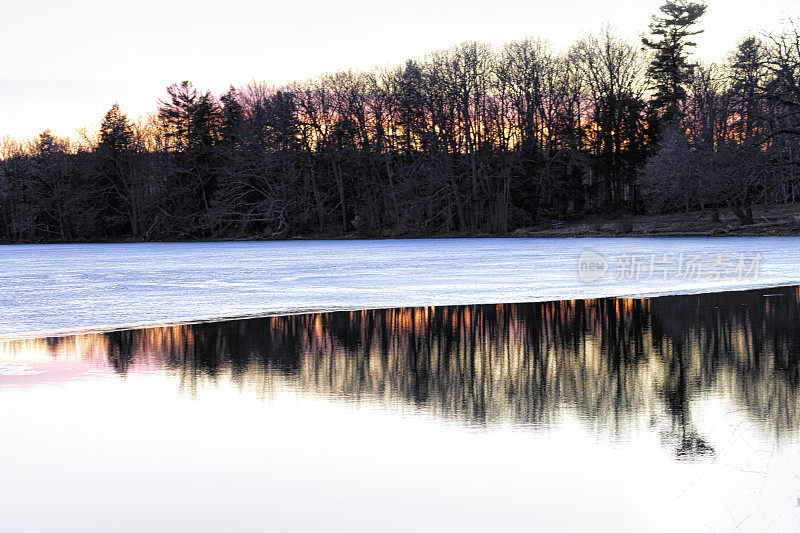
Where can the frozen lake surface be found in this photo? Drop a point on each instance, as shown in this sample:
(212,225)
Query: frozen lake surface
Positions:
(68,288)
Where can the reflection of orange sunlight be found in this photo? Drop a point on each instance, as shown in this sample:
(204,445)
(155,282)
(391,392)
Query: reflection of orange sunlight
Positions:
(92,347)
(37,361)
(482,361)
(178,345)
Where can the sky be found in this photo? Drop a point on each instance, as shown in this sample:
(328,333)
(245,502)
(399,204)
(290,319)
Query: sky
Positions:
(64,63)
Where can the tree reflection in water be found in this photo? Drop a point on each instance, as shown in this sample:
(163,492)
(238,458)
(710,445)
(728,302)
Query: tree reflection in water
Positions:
(612,362)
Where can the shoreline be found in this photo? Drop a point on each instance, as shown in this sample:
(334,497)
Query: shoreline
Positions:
(770,221)
(768,230)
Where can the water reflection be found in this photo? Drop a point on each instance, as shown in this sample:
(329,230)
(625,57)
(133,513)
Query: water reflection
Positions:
(616,363)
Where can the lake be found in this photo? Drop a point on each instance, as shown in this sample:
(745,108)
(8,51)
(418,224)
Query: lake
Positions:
(654,414)
(49,289)
(410,385)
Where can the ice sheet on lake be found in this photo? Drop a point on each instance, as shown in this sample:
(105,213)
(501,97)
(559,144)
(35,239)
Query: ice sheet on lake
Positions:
(63,288)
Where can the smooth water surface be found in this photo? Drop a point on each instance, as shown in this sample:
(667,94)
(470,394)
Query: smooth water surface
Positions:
(49,289)
(679,413)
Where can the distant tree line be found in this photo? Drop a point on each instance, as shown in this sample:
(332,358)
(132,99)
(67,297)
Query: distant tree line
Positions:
(471,140)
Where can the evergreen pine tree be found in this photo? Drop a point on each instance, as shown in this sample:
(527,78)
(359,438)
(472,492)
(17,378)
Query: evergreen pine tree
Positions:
(670,70)
(116,133)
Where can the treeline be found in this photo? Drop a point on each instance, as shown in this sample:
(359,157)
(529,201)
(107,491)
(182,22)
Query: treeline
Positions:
(471,140)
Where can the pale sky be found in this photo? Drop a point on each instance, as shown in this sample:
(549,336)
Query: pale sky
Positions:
(64,63)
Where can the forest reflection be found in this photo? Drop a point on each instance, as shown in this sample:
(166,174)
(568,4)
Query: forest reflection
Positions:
(612,362)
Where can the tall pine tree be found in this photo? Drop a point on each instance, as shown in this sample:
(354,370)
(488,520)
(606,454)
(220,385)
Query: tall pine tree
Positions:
(670,70)
(116,133)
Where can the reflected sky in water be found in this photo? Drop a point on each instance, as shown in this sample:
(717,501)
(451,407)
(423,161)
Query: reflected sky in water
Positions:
(610,414)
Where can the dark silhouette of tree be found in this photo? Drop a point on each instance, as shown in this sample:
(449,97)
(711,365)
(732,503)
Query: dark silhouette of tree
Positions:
(747,74)
(116,176)
(611,69)
(191,125)
(231,129)
(670,70)
(116,133)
